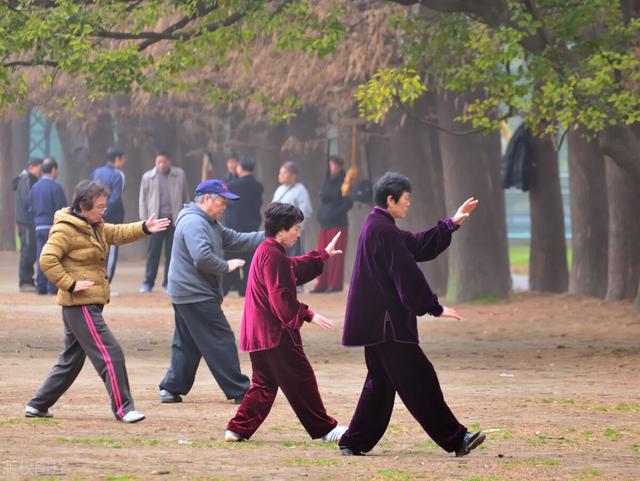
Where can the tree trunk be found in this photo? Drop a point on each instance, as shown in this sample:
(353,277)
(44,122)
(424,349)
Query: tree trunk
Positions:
(624,233)
(589,217)
(548,270)
(478,256)
(75,150)
(7,214)
(415,151)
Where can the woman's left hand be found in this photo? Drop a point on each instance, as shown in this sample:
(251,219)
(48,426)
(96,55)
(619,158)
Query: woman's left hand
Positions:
(331,246)
(157,225)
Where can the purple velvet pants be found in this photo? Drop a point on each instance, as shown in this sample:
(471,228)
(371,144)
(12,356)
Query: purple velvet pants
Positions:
(402,368)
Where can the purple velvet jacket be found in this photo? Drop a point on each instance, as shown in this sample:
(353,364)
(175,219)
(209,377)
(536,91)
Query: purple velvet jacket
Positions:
(271,306)
(388,289)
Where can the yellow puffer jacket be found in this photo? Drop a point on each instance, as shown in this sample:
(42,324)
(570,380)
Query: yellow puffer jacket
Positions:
(77,251)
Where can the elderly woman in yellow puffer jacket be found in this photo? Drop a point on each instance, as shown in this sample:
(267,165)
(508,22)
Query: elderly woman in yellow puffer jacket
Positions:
(75,259)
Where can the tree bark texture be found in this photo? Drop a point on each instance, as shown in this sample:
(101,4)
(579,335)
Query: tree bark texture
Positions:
(7,215)
(624,233)
(415,152)
(548,270)
(589,217)
(478,256)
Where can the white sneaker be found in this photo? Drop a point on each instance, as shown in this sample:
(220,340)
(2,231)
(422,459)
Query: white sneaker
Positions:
(132,417)
(231,437)
(334,435)
(31,412)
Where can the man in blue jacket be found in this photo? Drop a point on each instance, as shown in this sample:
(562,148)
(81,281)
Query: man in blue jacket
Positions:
(112,176)
(26,231)
(195,287)
(45,198)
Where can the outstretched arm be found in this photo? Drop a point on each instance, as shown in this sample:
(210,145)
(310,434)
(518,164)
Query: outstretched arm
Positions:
(310,265)
(428,244)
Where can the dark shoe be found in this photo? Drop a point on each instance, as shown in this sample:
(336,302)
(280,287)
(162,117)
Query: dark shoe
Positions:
(167,397)
(350,452)
(239,399)
(470,442)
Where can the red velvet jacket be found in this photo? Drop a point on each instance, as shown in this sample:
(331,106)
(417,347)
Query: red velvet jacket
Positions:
(271,306)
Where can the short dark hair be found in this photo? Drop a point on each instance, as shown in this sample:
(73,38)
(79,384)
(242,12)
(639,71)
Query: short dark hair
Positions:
(48,165)
(233,156)
(34,161)
(163,153)
(113,153)
(280,216)
(248,164)
(336,159)
(390,184)
(87,191)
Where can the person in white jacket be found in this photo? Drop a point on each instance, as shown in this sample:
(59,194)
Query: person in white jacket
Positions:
(293,192)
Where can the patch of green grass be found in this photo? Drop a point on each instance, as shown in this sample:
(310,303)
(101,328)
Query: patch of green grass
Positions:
(14,421)
(313,462)
(613,434)
(396,475)
(427,444)
(300,444)
(628,407)
(395,429)
(486,300)
(120,477)
(475,427)
(635,448)
(108,442)
(519,254)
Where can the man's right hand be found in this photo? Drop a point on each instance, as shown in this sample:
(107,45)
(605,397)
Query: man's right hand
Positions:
(234,264)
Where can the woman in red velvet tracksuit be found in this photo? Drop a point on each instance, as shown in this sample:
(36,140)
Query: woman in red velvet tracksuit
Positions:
(270,331)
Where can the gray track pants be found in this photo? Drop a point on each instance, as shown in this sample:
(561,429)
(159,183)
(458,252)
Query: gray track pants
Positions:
(86,334)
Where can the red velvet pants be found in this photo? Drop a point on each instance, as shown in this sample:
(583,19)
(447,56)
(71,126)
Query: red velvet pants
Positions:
(285,367)
(332,277)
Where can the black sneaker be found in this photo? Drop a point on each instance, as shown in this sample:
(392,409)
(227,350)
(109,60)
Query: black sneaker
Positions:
(167,397)
(470,442)
(344,451)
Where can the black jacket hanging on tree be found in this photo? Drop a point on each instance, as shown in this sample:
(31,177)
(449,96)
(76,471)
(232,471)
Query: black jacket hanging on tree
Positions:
(518,163)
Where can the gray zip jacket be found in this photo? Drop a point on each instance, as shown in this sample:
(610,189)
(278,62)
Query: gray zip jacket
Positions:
(197,259)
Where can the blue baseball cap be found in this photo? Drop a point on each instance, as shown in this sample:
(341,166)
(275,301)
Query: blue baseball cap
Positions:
(215,186)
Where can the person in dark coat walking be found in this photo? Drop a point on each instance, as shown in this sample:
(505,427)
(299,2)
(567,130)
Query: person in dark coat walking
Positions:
(332,216)
(46,197)
(388,290)
(22,185)
(243,215)
(112,176)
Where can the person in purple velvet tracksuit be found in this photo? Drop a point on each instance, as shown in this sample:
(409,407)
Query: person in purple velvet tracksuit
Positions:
(388,290)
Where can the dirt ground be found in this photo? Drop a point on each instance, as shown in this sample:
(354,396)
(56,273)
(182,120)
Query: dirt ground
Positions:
(555,379)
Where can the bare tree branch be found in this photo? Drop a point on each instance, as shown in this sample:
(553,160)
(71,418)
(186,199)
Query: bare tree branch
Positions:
(30,63)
